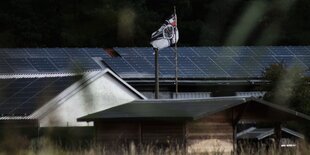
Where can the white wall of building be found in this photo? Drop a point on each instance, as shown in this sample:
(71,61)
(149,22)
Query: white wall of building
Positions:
(102,93)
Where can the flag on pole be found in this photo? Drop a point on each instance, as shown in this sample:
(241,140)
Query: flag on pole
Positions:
(166,35)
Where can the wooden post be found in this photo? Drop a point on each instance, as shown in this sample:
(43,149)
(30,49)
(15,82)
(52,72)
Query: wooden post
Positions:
(140,134)
(184,138)
(278,134)
(156,74)
(234,124)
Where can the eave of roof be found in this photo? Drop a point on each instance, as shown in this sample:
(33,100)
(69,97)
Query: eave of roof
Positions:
(191,109)
(283,109)
(186,109)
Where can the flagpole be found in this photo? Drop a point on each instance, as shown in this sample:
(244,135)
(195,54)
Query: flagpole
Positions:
(176,57)
(156,74)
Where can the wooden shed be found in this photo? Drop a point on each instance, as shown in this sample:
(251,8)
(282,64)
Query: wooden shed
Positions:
(201,125)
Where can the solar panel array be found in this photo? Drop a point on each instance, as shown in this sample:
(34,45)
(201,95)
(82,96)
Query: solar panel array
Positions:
(194,62)
(46,60)
(208,62)
(21,97)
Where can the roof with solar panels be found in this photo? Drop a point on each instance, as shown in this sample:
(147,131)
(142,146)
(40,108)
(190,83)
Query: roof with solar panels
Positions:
(26,74)
(194,62)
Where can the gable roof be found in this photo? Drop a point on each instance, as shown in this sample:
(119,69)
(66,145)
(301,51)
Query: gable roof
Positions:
(88,78)
(39,95)
(181,110)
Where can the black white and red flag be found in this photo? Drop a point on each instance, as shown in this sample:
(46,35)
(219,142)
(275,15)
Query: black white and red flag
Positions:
(166,35)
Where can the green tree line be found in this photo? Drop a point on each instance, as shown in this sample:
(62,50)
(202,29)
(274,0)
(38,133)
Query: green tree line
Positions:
(110,23)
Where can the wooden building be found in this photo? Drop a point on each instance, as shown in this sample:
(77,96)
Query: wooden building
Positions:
(202,125)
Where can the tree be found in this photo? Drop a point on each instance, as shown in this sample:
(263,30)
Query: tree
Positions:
(289,87)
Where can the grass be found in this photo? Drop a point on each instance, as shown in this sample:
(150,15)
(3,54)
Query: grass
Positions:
(43,146)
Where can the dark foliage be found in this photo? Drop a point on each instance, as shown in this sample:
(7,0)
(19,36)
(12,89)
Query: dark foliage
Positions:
(108,23)
(288,87)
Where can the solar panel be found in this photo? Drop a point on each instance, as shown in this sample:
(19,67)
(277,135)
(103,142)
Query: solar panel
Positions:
(223,51)
(86,63)
(37,52)
(3,53)
(140,64)
(64,64)
(189,69)
(204,51)
(42,64)
(20,65)
(24,96)
(230,66)
(96,52)
(280,50)
(168,52)
(250,65)
(8,94)
(261,51)
(299,50)
(56,52)
(126,51)
(4,67)
(239,61)
(291,61)
(242,51)
(209,67)
(120,66)
(144,51)
(265,61)
(53,88)
(304,59)
(5,82)
(76,52)
(17,53)
(186,51)
(194,62)
(166,69)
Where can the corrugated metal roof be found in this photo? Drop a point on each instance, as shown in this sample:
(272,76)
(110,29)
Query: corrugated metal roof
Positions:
(176,109)
(180,109)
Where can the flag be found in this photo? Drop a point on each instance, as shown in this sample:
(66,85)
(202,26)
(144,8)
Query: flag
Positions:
(166,35)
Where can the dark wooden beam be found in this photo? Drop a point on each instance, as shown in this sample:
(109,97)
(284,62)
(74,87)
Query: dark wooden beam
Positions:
(278,134)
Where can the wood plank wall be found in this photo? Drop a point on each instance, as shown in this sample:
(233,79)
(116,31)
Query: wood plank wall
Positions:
(217,126)
(162,132)
(205,134)
(117,132)
(202,135)
(146,132)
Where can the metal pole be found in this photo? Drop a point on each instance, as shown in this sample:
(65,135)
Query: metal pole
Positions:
(176,57)
(156,74)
